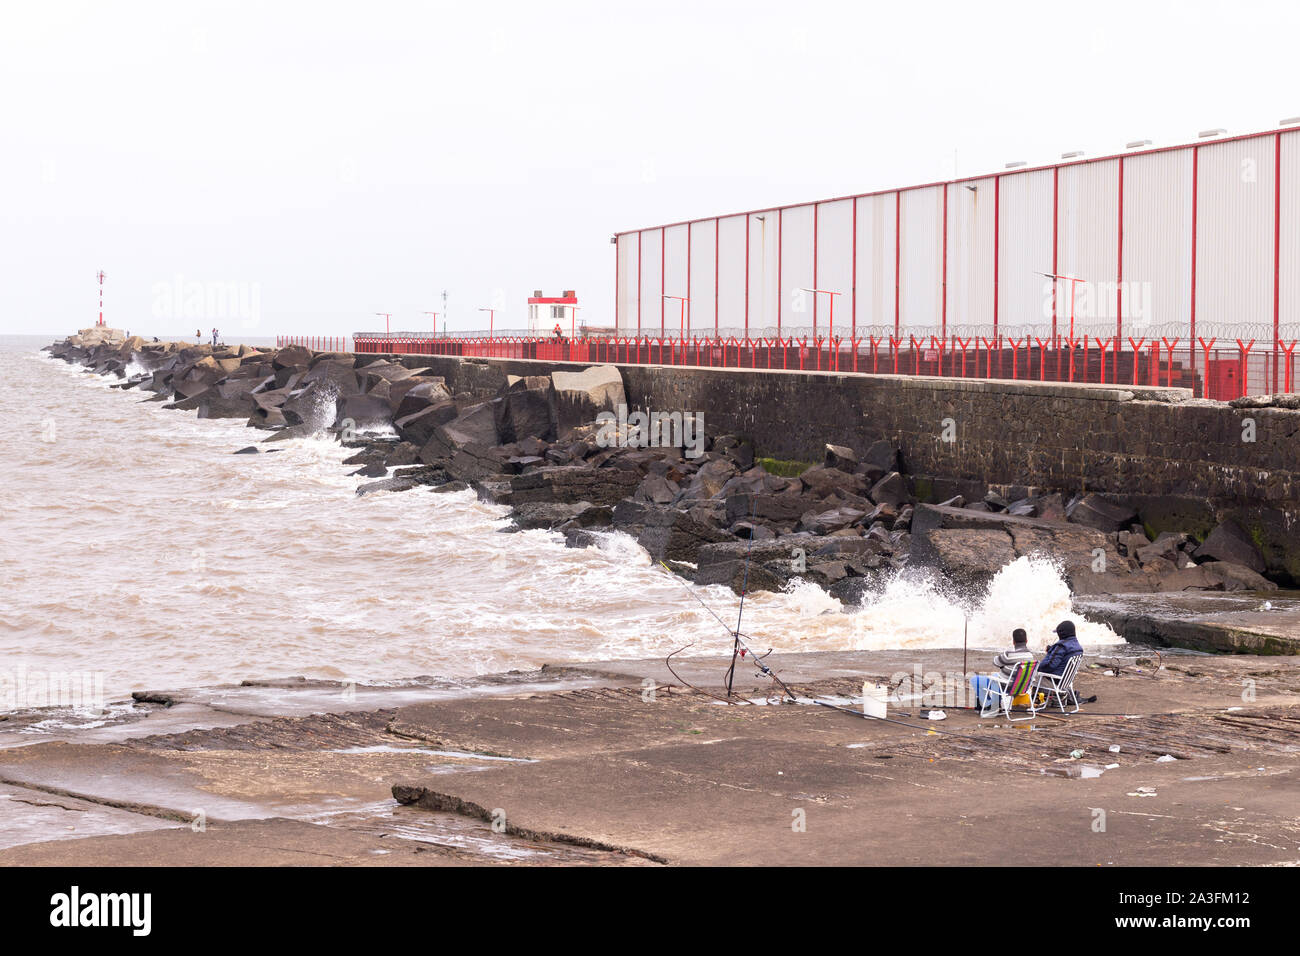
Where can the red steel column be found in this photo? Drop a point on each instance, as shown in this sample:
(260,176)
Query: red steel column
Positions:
(638,283)
(1119,281)
(853,288)
(943,279)
(717,226)
(816,211)
(997,239)
(690,227)
(747,232)
(898,256)
(1056,243)
(1277,252)
(617,250)
(780,248)
(663,258)
(1196,192)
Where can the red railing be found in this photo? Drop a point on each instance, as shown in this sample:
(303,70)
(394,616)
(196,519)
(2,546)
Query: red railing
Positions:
(319,343)
(1210,367)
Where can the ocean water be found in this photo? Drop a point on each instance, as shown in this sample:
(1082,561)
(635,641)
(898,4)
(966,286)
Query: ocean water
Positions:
(136,547)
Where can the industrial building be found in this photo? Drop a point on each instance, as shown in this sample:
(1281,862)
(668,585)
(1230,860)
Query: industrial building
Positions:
(1184,249)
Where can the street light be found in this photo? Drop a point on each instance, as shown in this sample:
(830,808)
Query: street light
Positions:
(387,316)
(828,292)
(435,323)
(683,300)
(492,316)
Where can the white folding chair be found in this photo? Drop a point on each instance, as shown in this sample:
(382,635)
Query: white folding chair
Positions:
(1002,692)
(1059,688)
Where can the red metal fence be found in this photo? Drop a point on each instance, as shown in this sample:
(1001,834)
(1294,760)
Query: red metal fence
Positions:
(320,343)
(1212,368)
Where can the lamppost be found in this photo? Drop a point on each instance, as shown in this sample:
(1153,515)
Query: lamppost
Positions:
(828,292)
(492,316)
(683,300)
(435,323)
(387,315)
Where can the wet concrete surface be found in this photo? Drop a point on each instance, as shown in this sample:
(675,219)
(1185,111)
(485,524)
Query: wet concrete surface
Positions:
(626,764)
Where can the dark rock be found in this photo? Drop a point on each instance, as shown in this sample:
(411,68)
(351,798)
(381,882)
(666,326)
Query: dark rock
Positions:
(891,490)
(841,458)
(581,396)
(1228,542)
(364,410)
(293,356)
(421,395)
(418,428)
(1100,513)
(572,483)
(882,455)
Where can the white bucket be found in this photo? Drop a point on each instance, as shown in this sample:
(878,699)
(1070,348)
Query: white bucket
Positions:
(875,700)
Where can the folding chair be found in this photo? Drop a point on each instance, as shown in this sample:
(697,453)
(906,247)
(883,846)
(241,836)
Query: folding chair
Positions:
(1002,692)
(1059,688)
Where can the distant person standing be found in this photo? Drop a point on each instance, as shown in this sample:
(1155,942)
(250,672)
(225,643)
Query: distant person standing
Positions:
(198,336)
(214,337)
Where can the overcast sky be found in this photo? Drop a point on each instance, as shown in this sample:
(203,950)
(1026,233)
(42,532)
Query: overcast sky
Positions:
(327,161)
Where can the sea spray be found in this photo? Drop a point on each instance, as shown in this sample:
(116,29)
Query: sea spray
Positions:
(913,609)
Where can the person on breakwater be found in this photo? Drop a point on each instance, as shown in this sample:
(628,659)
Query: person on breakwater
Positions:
(1059,654)
(198,336)
(1006,662)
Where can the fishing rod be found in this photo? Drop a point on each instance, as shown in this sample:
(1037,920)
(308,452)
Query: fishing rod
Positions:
(740,648)
(744,586)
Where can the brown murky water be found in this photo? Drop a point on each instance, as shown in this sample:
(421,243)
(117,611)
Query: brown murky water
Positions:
(136,547)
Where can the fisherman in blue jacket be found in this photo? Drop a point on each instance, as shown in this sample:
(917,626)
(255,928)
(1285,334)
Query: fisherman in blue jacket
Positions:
(1060,653)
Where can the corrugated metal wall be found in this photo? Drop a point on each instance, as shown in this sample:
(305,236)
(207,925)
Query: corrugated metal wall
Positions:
(920,260)
(885,253)
(970,255)
(1157,271)
(1289,239)
(1025,252)
(875,259)
(1234,273)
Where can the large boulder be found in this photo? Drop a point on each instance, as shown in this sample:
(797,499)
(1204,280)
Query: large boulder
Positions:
(889,490)
(315,406)
(407,399)
(1101,513)
(215,404)
(292,356)
(709,480)
(526,410)
(573,483)
(970,547)
(841,457)
(581,396)
(365,410)
(418,427)
(333,373)
(1228,542)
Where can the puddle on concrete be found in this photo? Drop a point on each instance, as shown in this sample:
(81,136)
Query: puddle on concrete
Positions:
(1075,771)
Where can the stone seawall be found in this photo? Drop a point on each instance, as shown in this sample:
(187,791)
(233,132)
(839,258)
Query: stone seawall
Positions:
(1185,463)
